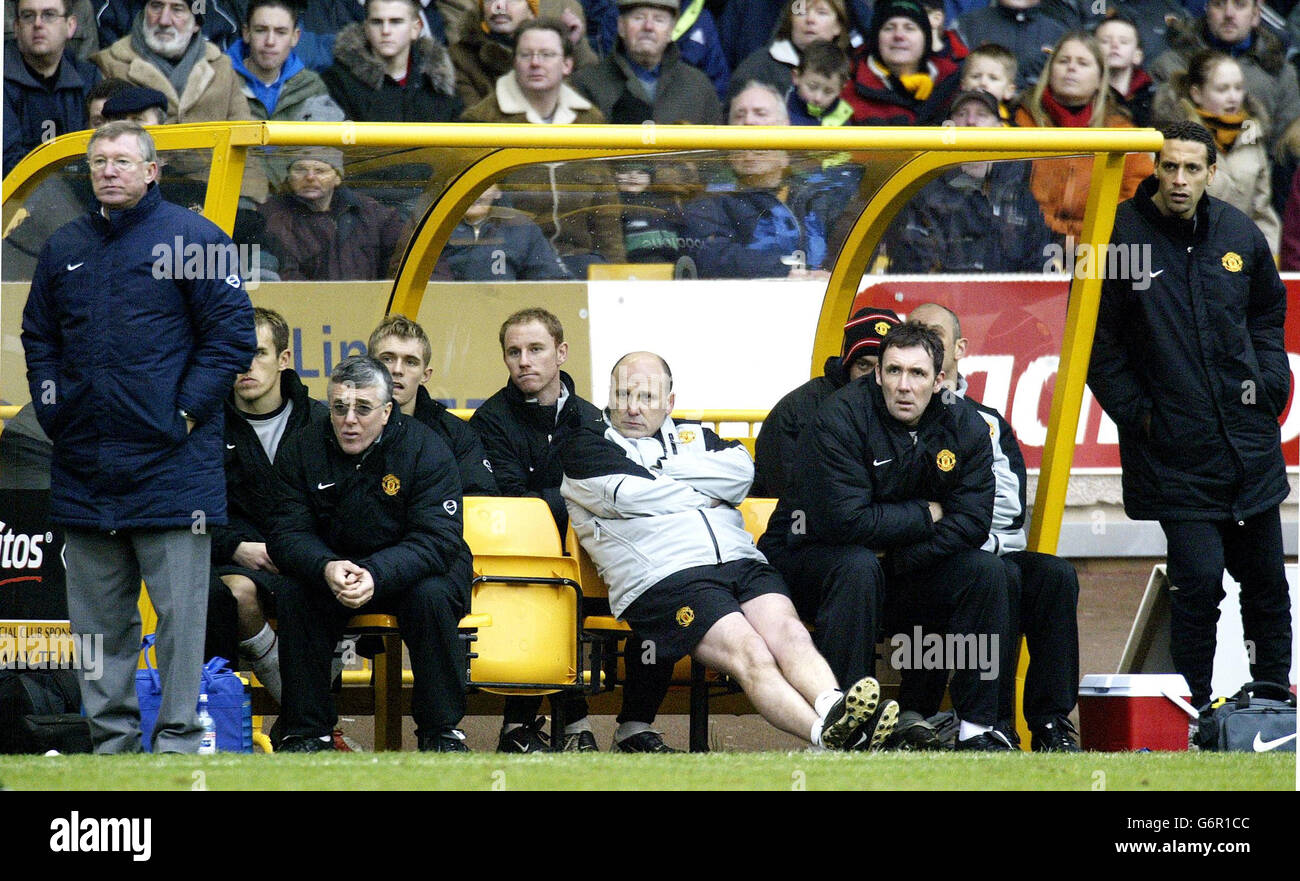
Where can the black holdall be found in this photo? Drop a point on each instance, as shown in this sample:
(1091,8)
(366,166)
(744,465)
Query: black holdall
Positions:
(38,712)
(1259,718)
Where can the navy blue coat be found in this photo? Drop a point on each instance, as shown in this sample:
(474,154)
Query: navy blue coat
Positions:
(28,105)
(114,352)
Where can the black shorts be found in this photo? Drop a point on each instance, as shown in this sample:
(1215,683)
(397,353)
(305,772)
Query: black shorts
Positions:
(675,613)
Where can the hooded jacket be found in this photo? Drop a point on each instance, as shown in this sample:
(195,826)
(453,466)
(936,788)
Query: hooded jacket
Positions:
(752,233)
(299,93)
(645,508)
(1192,366)
(360,87)
(862,478)
(116,349)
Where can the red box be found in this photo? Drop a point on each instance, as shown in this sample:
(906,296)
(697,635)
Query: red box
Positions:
(1130,711)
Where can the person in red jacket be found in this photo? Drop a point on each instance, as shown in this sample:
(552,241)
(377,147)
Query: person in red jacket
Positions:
(897,80)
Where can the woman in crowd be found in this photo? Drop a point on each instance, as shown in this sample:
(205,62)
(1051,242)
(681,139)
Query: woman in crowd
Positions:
(1074,93)
(897,80)
(1213,93)
(802,22)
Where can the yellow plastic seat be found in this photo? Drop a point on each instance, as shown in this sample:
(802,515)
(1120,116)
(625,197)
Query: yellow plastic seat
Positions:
(510,526)
(757,511)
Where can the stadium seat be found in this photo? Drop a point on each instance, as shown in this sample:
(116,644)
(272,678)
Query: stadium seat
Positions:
(756,512)
(502,525)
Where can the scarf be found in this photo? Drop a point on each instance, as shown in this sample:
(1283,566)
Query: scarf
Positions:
(1225,126)
(918,85)
(177,72)
(1063,116)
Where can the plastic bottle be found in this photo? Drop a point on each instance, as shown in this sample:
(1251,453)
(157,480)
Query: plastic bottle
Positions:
(208,742)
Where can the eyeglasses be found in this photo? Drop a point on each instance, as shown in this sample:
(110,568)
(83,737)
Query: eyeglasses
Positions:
(341,408)
(47,16)
(545,55)
(99,163)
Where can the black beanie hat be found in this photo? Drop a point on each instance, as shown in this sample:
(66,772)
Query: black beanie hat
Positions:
(865,330)
(900,9)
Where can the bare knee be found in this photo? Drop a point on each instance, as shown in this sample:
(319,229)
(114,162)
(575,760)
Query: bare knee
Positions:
(244,591)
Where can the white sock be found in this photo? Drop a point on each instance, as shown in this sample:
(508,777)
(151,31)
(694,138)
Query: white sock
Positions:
(822,705)
(583,724)
(815,737)
(629,729)
(266,663)
(256,646)
(970,729)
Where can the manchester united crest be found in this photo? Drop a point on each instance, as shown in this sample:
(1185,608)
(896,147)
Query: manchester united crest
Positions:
(882,328)
(945,460)
(686,436)
(685,615)
(391,484)
(1232,261)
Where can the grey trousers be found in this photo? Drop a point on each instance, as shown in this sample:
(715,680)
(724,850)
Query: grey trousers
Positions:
(103,578)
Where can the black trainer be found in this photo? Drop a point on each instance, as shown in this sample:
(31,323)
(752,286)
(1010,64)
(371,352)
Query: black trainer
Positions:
(913,733)
(449,740)
(1057,736)
(645,742)
(854,708)
(580,742)
(525,739)
(989,742)
(306,745)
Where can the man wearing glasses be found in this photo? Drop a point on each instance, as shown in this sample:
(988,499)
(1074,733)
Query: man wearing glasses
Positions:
(128,367)
(45,86)
(369,520)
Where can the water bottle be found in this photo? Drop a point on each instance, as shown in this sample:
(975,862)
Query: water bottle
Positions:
(208,742)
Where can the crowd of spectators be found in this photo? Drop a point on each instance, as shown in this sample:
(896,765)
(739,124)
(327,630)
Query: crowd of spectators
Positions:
(1058,63)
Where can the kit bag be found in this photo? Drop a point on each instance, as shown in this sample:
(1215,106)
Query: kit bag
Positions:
(228,703)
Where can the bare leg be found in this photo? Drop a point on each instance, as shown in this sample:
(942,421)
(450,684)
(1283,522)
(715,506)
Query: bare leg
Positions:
(251,619)
(734,647)
(774,619)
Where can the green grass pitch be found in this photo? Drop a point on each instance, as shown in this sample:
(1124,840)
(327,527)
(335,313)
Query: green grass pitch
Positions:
(746,771)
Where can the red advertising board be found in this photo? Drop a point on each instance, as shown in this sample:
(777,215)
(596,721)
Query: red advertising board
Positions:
(1015,326)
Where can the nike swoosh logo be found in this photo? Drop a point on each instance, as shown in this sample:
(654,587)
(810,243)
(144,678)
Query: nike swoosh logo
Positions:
(230,446)
(1157,272)
(72,266)
(1262,746)
(324,485)
(879,462)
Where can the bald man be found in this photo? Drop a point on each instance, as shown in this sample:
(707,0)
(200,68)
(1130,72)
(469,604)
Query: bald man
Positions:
(653,501)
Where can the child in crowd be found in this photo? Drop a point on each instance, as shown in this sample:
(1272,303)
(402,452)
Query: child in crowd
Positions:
(992,69)
(945,42)
(1131,88)
(818,81)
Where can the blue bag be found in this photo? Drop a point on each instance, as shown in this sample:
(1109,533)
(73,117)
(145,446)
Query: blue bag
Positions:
(228,702)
